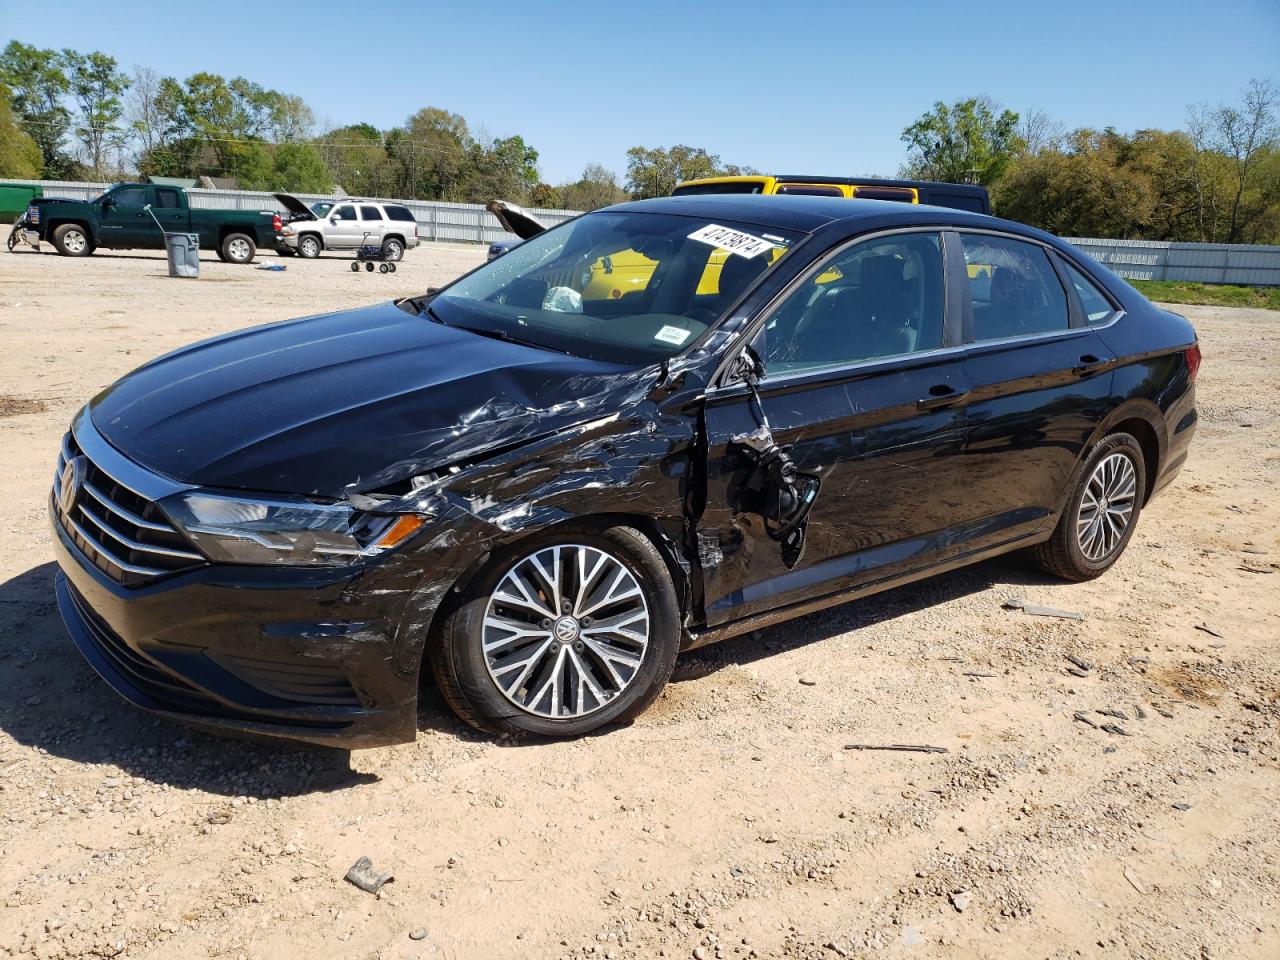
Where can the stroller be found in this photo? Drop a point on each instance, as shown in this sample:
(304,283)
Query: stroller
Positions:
(369,254)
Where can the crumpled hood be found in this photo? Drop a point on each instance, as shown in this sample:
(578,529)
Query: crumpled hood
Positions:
(345,402)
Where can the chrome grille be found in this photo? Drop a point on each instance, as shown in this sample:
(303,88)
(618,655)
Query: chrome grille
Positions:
(121,532)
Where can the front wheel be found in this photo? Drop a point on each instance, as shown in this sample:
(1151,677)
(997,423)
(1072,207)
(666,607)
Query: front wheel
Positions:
(309,247)
(237,248)
(1101,513)
(570,631)
(71,240)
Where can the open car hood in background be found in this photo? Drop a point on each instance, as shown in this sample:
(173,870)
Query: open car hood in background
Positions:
(294,205)
(515,220)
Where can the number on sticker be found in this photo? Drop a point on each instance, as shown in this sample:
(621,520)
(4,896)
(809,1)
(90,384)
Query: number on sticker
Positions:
(735,241)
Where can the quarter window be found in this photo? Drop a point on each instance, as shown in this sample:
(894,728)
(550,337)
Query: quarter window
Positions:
(879,298)
(1097,308)
(370,213)
(399,213)
(1014,288)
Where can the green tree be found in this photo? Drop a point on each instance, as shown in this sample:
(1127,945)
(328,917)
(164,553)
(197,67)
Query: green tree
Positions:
(358,161)
(37,84)
(1243,135)
(655,172)
(597,187)
(967,142)
(546,196)
(97,86)
(19,154)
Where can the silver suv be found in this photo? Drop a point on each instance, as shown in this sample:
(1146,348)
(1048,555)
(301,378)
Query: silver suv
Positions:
(346,225)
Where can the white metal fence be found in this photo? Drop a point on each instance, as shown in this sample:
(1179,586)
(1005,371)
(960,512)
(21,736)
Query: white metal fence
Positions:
(469,222)
(1251,264)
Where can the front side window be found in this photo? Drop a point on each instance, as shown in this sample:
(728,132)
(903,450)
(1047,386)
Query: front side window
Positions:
(879,298)
(1014,288)
(129,196)
(1097,308)
(370,213)
(345,212)
(627,288)
(167,199)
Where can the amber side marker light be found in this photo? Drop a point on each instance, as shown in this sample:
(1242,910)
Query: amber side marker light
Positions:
(399,531)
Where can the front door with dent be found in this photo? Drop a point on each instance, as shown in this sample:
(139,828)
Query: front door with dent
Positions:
(864,383)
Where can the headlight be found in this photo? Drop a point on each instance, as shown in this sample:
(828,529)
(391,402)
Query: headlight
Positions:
(284,529)
(287,231)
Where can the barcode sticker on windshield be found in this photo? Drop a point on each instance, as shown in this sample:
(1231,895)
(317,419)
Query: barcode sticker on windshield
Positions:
(670,334)
(735,241)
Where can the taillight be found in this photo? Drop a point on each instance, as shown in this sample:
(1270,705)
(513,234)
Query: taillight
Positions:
(1193,361)
(275,223)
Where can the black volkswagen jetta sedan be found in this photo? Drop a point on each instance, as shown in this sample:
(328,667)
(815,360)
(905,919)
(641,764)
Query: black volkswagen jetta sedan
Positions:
(650,428)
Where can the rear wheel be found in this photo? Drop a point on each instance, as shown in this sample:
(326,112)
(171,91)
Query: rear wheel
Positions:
(309,247)
(567,632)
(1101,513)
(71,240)
(392,249)
(237,248)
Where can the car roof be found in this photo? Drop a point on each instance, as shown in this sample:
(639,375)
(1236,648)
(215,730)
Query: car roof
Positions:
(808,214)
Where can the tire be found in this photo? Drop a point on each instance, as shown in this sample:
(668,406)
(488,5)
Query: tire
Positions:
(355,267)
(391,267)
(72,240)
(237,248)
(369,266)
(619,690)
(1113,481)
(309,246)
(393,249)
(383,267)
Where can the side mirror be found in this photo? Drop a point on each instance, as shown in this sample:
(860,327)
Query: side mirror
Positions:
(748,367)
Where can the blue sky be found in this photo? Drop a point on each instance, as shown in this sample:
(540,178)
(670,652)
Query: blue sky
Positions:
(784,87)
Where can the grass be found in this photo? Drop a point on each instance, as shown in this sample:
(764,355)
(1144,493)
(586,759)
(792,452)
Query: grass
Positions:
(1209,294)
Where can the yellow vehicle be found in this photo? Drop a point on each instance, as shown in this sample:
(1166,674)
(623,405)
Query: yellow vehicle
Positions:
(960,196)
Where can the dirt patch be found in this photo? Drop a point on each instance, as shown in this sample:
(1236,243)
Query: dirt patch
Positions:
(17,406)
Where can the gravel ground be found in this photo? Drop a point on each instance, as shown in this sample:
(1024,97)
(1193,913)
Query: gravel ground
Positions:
(729,821)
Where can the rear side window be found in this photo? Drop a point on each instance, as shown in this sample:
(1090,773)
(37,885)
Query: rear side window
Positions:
(399,213)
(1014,288)
(810,191)
(167,199)
(733,186)
(901,194)
(345,212)
(1097,308)
(957,201)
(370,213)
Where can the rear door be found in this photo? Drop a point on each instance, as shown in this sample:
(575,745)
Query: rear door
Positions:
(170,211)
(1041,381)
(373,225)
(864,383)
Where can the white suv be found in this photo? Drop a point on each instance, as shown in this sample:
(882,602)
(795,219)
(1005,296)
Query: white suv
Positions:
(346,225)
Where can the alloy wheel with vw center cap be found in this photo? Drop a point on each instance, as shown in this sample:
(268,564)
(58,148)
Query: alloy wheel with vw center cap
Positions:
(565,631)
(1106,506)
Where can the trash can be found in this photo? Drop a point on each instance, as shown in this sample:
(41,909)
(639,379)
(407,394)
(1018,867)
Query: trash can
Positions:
(184,254)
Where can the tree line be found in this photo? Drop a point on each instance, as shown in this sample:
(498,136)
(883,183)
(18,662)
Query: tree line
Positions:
(1217,181)
(71,115)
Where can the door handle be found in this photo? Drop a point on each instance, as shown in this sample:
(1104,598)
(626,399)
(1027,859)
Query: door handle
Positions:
(1088,364)
(941,395)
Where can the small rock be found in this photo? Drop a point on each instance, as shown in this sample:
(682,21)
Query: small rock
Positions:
(961,900)
(1182,806)
(808,682)
(418,934)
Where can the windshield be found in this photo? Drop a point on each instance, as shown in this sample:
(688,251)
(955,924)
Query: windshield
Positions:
(621,287)
(321,208)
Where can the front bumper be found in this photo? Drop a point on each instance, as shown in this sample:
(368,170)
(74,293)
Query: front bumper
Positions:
(324,656)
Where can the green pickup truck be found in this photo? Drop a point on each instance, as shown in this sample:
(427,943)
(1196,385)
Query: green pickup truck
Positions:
(117,219)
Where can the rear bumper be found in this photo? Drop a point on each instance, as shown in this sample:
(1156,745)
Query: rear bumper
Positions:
(264,652)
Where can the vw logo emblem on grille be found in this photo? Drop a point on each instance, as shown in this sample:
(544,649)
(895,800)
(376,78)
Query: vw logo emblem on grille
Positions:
(566,629)
(72,483)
